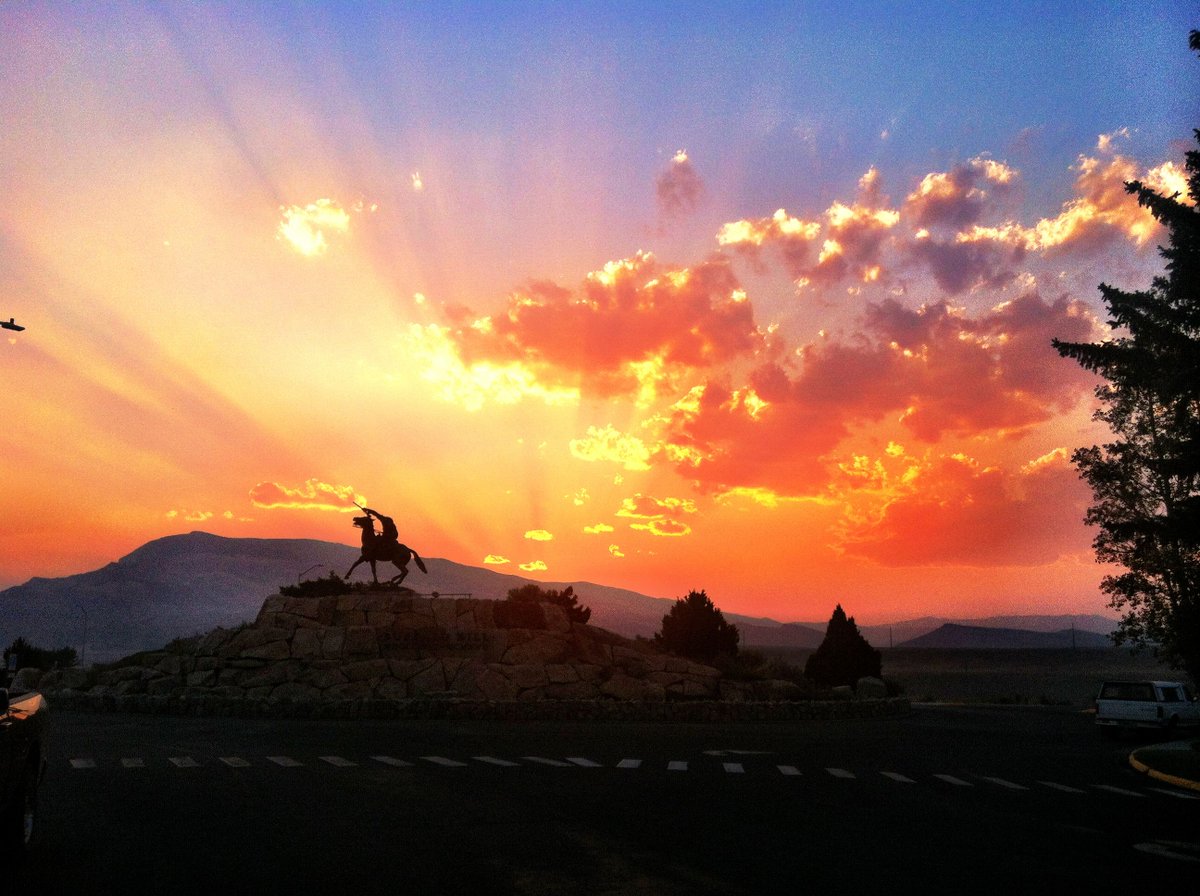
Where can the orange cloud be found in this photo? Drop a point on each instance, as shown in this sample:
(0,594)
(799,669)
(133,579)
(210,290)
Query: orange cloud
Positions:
(937,369)
(949,509)
(539,535)
(658,516)
(598,529)
(631,323)
(534,566)
(312,495)
(495,560)
(607,444)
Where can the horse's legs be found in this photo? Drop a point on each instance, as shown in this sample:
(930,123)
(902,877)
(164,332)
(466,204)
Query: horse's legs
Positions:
(396,580)
(351,569)
(374,575)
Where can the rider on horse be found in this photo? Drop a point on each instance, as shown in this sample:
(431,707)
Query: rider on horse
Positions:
(384,546)
(390,532)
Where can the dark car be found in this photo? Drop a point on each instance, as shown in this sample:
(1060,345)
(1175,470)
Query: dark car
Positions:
(23,729)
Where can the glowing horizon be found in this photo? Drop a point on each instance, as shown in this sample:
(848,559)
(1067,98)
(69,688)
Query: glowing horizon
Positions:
(766,311)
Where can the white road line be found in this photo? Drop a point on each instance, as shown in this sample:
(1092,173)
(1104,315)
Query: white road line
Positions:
(629,763)
(1179,795)
(896,776)
(957,782)
(492,760)
(734,768)
(235,762)
(1121,790)
(184,762)
(790,770)
(1001,782)
(583,763)
(285,761)
(1062,788)
(442,760)
(338,761)
(133,763)
(83,763)
(542,760)
(840,773)
(391,760)
(677,765)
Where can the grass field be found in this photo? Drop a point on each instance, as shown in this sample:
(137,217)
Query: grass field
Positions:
(1050,677)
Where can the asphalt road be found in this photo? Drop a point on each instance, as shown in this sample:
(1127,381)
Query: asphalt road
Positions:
(943,800)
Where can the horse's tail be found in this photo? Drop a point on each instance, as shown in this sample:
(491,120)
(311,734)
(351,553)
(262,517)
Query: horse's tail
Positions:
(420,562)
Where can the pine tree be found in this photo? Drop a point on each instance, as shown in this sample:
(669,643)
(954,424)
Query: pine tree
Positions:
(696,629)
(1146,482)
(844,656)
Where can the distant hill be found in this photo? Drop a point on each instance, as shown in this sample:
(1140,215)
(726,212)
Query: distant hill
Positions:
(185,584)
(959,637)
(182,585)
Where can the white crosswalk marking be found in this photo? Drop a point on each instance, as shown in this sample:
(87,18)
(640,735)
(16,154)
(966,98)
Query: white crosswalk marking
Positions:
(629,763)
(235,762)
(1002,783)
(184,762)
(1178,794)
(443,761)
(338,761)
(677,765)
(957,782)
(542,760)
(840,773)
(583,763)
(1062,788)
(285,761)
(1121,790)
(734,768)
(492,760)
(133,762)
(896,776)
(393,761)
(83,763)
(790,770)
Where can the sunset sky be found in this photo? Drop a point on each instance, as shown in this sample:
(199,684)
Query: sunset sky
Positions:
(756,299)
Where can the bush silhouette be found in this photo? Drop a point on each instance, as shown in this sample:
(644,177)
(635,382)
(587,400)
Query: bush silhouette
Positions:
(29,656)
(844,656)
(576,612)
(696,629)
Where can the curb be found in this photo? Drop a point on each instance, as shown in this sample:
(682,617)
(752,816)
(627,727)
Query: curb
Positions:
(1140,766)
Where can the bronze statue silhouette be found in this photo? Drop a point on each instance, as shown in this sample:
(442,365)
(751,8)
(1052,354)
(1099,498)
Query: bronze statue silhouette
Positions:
(384,546)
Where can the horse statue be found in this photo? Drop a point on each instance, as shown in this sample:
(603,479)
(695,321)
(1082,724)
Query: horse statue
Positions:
(384,547)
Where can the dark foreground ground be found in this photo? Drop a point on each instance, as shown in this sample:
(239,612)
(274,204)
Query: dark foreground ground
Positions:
(944,800)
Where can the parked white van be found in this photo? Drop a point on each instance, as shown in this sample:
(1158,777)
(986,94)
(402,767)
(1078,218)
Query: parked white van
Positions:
(1146,704)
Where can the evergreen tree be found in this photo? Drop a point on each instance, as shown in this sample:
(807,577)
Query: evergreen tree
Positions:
(844,656)
(696,629)
(576,612)
(1146,482)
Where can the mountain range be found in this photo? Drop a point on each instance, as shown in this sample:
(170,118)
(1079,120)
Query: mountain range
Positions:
(182,585)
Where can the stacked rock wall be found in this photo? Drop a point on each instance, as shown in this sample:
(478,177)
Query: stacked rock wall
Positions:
(391,655)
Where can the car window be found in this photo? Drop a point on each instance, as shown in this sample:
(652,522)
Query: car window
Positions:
(1170,695)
